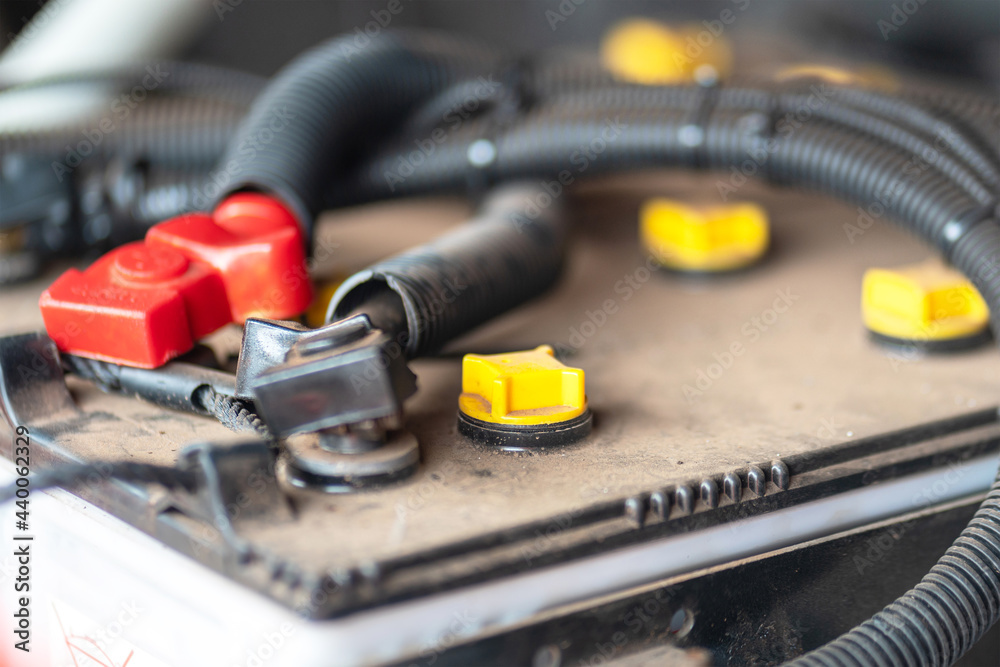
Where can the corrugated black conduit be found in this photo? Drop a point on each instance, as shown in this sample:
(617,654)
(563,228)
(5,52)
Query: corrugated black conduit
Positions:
(336,103)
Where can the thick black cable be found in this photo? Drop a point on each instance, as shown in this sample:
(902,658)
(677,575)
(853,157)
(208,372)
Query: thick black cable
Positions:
(956,159)
(233,413)
(938,122)
(105,375)
(334,103)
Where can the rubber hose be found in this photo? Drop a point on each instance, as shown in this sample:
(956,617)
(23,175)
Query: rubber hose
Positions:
(818,156)
(870,112)
(973,121)
(454,105)
(333,103)
(547,141)
(979,114)
(936,122)
(970,165)
(509,253)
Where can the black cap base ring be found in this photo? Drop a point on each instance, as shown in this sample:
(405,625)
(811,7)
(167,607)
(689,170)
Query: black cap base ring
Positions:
(517,438)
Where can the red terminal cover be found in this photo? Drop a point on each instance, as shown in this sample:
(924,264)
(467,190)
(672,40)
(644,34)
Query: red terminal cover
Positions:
(137,305)
(256,244)
(146,303)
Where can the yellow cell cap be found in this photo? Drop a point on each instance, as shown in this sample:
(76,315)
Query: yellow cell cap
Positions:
(703,238)
(526,388)
(922,302)
(652,53)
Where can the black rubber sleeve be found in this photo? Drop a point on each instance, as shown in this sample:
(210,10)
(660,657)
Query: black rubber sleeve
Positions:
(334,103)
(509,253)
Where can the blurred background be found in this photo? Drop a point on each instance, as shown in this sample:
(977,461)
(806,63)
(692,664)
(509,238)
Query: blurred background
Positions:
(67,189)
(954,38)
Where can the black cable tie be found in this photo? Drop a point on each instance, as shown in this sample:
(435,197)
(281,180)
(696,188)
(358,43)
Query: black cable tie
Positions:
(956,229)
(770,133)
(482,153)
(515,79)
(692,134)
(761,126)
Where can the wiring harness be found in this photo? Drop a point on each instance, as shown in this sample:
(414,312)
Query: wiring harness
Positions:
(930,161)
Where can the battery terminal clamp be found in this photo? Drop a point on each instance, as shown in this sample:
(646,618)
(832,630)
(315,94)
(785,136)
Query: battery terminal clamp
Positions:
(335,396)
